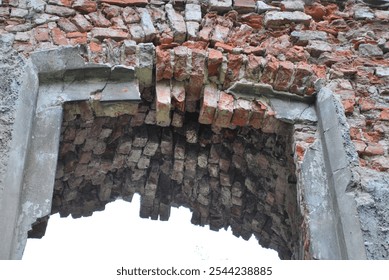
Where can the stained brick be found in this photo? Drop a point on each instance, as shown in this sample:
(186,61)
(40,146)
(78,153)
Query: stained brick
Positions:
(102,33)
(163,103)
(270,71)
(126,2)
(242,112)
(215,59)
(182,65)
(82,23)
(58,36)
(284,76)
(177,24)
(85,6)
(66,25)
(164,68)
(209,105)
(224,110)
(197,76)
(60,11)
(178,96)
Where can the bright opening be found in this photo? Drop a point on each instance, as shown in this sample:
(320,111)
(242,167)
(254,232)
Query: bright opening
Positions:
(119,233)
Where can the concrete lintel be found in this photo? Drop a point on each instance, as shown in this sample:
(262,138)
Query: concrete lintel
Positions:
(339,175)
(251,91)
(292,111)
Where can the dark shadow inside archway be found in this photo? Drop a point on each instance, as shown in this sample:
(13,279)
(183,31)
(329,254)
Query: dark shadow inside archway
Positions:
(232,177)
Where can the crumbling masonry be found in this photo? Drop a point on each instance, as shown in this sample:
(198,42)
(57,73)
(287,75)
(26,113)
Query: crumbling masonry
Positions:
(271,118)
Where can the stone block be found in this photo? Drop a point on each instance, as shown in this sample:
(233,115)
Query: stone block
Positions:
(99,20)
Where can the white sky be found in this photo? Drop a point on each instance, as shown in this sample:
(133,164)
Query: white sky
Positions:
(119,232)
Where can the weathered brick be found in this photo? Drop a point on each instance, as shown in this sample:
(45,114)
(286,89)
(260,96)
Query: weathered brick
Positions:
(242,112)
(163,103)
(284,76)
(254,67)
(220,5)
(274,19)
(147,24)
(182,65)
(215,59)
(224,110)
(82,23)
(302,76)
(164,67)
(77,37)
(220,34)
(209,104)
(257,114)
(136,32)
(41,34)
(178,96)
(373,149)
(59,11)
(244,6)
(126,2)
(85,6)
(66,25)
(177,24)
(192,28)
(99,20)
(270,71)
(103,33)
(193,12)
(234,65)
(197,76)
(58,36)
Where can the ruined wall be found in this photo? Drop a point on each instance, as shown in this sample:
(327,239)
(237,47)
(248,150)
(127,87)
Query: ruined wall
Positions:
(193,52)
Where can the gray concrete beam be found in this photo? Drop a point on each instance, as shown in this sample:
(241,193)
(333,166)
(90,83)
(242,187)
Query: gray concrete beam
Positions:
(339,161)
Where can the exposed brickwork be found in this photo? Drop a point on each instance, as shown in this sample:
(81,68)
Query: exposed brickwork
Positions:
(240,178)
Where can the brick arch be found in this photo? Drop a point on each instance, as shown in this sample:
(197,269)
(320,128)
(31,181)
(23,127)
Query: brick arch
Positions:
(240,178)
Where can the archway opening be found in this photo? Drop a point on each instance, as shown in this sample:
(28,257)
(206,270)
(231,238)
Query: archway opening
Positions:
(237,177)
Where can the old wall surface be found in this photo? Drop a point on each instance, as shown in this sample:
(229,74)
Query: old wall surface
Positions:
(194,51)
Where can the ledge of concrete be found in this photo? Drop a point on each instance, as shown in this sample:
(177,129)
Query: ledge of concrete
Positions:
(251,91)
